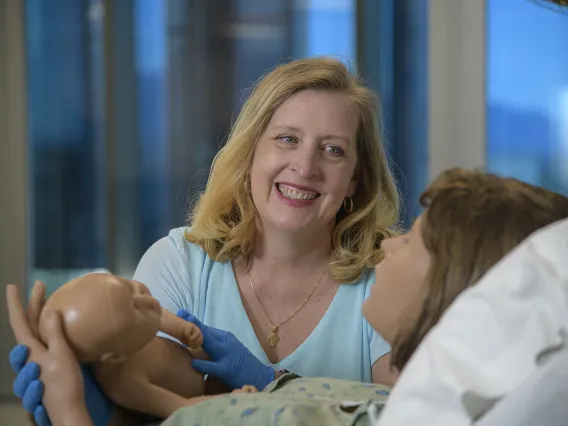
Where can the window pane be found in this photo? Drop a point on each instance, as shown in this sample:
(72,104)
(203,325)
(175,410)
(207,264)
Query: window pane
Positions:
(66,162)
(527,114)
(325,27)
(393,48)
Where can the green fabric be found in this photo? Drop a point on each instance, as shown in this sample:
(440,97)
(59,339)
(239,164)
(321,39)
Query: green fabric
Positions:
(290,400)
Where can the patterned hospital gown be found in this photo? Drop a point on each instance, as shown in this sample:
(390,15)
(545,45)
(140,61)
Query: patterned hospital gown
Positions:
(291,400)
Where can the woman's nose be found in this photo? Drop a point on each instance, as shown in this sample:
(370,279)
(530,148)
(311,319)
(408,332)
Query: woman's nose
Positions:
(306,162)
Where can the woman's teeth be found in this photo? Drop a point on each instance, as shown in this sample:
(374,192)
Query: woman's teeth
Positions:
(296,194)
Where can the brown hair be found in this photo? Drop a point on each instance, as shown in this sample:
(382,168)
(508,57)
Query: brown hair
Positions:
(472,220)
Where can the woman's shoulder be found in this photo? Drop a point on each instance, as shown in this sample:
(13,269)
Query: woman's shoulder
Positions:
(366,281)
(176,240)
(178,237)
(174,266)
(359,289)
(174,251)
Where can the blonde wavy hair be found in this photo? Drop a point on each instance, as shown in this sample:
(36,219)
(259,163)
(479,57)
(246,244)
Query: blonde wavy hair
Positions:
(223,221)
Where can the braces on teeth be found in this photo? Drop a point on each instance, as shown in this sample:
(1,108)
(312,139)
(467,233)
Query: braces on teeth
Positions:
(297,195)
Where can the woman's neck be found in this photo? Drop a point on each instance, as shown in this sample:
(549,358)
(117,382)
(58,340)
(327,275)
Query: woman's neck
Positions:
(278,253)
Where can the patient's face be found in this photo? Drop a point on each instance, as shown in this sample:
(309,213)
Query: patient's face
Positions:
(396,298)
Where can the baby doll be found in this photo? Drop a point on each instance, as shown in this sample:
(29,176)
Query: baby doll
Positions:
(111,323)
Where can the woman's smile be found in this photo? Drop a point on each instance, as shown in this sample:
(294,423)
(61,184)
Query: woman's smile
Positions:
(295,196)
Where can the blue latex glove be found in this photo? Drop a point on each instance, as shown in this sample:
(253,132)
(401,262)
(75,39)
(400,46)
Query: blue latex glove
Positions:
(230,360)
(29,388)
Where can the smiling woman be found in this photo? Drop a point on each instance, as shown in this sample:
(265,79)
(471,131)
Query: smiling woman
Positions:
(297,204)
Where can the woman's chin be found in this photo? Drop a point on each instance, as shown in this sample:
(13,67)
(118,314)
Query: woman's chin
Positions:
(293,224)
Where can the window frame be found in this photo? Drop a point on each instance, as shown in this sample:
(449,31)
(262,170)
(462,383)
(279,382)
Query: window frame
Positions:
(457,85)
(13,172)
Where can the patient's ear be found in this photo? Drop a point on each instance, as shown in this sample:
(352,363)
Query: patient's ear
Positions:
(112,358)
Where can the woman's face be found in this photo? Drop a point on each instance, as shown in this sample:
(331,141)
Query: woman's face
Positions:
(304,162)
(396,298)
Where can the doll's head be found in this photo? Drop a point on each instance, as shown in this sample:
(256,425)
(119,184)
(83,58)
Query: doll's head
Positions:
(105,317)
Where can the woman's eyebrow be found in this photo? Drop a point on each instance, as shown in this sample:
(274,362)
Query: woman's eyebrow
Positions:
(284,127)
(292,129)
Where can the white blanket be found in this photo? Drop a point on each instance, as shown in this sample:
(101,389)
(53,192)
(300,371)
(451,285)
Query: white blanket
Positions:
(491,340)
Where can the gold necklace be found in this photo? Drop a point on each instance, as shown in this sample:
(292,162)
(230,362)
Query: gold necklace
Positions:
(273,337)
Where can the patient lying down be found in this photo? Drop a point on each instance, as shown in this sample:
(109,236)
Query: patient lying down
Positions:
(471,221)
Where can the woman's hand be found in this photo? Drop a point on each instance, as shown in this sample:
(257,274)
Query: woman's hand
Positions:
(66,383)
(230,360)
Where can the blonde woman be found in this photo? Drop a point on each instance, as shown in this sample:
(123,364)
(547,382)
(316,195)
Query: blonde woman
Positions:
(280,250)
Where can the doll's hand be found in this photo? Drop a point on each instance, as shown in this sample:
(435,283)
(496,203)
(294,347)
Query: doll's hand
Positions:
(189,334)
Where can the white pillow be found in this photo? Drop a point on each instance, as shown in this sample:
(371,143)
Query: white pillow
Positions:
(490,340)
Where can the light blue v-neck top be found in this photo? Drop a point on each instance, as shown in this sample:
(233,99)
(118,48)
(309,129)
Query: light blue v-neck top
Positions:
(182,276)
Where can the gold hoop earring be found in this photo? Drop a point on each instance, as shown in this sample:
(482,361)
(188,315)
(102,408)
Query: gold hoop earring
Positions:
(348,204)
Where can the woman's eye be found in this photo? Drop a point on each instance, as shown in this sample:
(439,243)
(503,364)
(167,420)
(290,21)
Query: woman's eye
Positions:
(333,150)
(287,139)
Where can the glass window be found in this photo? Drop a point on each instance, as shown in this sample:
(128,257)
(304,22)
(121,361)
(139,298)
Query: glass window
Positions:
(527,111)
(129,102)
(325,27)
(65,218)
(392,49)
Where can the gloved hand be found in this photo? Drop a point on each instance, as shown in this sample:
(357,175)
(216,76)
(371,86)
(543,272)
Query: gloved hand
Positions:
(230,360)
(29,388)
